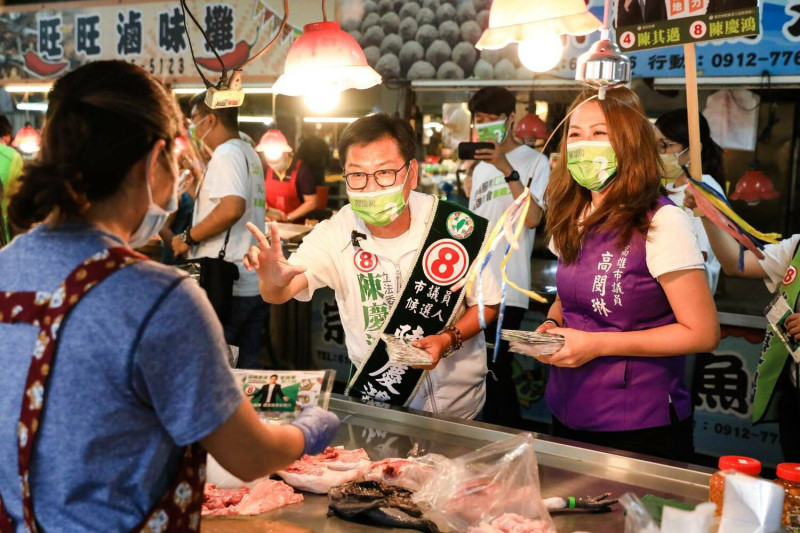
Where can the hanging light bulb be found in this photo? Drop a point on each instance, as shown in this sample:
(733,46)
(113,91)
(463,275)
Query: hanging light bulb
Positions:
(541,54)
(273,145)
(27,140)
(322,101)
(517,21)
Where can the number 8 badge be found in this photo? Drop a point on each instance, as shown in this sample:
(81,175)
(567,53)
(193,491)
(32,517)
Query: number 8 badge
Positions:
(445,262)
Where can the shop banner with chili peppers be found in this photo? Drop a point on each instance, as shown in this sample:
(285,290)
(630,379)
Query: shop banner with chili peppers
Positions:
(41,44)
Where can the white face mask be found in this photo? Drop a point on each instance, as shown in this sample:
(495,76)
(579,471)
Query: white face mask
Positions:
(156,216)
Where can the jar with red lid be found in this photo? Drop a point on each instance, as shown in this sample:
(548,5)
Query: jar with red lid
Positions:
(789,479)
(727,463)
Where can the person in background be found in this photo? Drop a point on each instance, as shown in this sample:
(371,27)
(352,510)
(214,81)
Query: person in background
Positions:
(373,253)
(316,155)
(776,383)
(141,385)
(672,136)
(291,188)
(499,177)
(10,169)
(231,193)
(632,296)
(190,176)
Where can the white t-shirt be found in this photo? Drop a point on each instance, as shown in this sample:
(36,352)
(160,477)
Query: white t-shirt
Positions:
(365,295)
(490,196)
(671,243)
(234,170)
(777,258)
(676,194)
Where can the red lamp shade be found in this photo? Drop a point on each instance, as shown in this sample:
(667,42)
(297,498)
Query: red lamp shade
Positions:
(531,127)
(273,144)
(754,186)
(325,58)
(27,140)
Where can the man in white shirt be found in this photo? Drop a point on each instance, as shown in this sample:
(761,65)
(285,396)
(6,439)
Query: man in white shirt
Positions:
(499,178)
(231,194)
(392,256)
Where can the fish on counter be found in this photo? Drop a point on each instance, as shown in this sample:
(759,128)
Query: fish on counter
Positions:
(264,496)
(334,466)
(375,503)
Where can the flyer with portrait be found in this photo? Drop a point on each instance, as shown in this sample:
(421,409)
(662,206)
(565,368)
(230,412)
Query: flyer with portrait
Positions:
(777,312)
(279,394)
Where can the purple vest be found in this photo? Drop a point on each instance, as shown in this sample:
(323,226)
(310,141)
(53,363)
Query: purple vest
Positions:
(611,289)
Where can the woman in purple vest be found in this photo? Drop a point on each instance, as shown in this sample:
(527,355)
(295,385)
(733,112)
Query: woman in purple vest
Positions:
(632,294)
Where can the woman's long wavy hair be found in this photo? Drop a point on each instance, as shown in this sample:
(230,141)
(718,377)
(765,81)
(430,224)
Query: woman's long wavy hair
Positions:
(630,195)
(103,117)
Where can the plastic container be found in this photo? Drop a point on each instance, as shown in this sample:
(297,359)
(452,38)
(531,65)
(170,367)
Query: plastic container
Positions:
(737,463)
(789,479)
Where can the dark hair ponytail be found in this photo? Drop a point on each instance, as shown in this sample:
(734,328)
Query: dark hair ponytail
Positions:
(674,125)
(101,119)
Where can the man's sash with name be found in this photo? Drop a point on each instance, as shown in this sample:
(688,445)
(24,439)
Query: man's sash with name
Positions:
(452,240)
(774,352)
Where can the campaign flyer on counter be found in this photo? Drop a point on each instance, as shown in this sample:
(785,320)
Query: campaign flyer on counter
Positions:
(279,394)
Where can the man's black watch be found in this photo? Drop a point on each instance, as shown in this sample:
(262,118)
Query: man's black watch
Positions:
(514,176)
(186,237)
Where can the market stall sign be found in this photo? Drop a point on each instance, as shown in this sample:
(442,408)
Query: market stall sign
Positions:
(775,49)
(646,24)
(44,44)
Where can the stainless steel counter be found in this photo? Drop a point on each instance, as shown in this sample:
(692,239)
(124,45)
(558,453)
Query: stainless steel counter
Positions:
(565,468)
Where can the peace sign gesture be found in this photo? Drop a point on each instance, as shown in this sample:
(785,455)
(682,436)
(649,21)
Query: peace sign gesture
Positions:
(275,274)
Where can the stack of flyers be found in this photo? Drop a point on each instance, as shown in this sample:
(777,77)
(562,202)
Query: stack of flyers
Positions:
(532,343)
(402,353)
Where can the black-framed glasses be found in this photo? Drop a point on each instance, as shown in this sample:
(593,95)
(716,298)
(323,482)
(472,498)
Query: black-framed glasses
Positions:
(664,145)
(385,178)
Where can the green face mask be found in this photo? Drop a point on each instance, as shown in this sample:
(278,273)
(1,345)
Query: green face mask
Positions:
(591,163)
(379,208)
(492,131)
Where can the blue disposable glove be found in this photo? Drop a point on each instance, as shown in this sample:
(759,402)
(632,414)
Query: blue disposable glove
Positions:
(319,428)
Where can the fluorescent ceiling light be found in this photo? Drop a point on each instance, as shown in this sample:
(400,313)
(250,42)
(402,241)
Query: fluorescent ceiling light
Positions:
(32,106)
(329,120)
(256,119)
(28,88)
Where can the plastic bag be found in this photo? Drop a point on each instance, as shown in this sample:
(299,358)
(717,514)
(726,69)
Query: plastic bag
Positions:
(673,519)
(482,486)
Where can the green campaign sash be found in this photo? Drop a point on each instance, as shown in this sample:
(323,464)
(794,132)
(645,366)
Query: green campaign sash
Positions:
(774,353)
(452,239)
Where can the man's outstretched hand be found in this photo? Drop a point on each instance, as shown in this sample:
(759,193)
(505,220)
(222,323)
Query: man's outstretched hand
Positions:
(267,258)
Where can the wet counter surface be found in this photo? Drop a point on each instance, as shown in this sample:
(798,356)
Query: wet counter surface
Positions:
(565,469)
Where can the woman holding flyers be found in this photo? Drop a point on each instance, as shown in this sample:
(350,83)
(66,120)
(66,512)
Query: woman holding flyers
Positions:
(109,421)
(632,295)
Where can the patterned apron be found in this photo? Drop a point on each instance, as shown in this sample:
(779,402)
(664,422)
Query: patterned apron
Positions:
(179,508)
